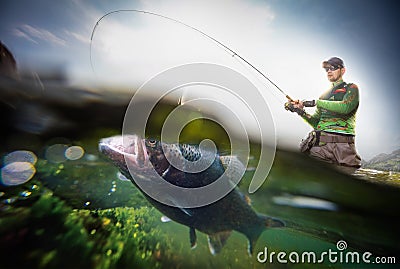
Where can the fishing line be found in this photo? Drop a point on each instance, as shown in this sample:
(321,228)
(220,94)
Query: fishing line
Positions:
(233,53)
(259,79)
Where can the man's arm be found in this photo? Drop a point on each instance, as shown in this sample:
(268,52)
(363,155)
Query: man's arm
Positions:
(298,107)
(313,119)
(348,104)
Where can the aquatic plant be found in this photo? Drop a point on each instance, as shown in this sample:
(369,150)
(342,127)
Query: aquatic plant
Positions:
(47,233)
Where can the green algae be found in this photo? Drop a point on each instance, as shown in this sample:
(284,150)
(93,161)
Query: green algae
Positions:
(50,234)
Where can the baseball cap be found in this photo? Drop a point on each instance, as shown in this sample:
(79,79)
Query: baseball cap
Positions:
(334,61)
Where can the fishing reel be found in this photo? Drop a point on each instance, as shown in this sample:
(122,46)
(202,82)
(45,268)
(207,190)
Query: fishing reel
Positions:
(292,108)
(310,103)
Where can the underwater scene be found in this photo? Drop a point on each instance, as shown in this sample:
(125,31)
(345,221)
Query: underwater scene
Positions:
(64,204)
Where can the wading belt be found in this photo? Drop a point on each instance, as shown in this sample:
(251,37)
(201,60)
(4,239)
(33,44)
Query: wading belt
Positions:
(335,138)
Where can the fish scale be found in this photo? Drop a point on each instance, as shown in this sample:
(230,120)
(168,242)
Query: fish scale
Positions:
(190,152)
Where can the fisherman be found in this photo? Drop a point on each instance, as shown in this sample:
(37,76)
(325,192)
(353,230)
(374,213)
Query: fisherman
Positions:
(332,139)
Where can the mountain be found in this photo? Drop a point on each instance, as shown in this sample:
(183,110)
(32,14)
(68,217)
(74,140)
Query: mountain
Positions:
(385,162)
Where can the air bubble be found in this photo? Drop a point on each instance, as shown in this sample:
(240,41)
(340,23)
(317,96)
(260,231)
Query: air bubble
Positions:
(17,173)
(9,200)
(20,156)
(56,153)
(91,157)
(25,194)
(74,153)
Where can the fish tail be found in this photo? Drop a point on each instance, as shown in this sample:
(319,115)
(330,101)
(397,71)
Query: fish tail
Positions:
(254,233)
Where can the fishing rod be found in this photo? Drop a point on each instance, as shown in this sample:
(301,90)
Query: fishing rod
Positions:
(234,53)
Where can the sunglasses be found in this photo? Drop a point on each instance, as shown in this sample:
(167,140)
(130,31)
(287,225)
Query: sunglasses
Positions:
(331,68)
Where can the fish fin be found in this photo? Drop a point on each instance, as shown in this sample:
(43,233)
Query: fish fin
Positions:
(250,245)
(217,241)
(193,237)
(271,222)
(186,211)
(171,172)
(165,219)
(165,172)
(245,198)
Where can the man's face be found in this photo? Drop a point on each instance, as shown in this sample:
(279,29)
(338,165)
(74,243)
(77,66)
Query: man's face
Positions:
(335,75)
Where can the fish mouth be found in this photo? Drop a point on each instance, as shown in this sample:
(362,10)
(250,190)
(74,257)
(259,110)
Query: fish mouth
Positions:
(123,149)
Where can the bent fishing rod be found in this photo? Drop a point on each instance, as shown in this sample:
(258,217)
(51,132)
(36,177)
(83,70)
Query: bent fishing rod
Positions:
(234,53)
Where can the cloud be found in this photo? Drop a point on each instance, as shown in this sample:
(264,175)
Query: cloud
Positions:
(148,44)
(36,34)
(79,37)
(21,34)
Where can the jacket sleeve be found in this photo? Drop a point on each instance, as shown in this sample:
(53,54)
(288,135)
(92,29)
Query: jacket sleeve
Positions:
(313,119)
(348,104)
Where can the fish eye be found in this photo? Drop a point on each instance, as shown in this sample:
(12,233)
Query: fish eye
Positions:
(152,142)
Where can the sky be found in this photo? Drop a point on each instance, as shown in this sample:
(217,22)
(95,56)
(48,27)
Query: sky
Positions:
(286,39)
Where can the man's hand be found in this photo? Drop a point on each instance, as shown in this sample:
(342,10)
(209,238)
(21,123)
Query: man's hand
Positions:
(298,104)
(295,106)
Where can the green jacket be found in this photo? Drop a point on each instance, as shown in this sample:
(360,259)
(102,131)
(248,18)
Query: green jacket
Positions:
(336,109)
